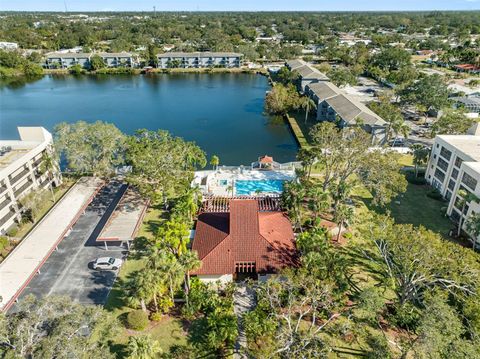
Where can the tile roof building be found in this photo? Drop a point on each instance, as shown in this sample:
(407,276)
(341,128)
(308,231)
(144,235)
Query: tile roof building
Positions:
(243,240)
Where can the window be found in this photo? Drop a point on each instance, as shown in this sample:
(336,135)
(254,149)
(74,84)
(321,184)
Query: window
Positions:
(458,162)
(445,153)
(455,216)
(448,195)
(442,164)
(440,175)
(454,173)
(469,181)
(451,185)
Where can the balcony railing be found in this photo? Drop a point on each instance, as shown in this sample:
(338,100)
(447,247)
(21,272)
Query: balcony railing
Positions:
(5,203)
(20,190)
(15,179)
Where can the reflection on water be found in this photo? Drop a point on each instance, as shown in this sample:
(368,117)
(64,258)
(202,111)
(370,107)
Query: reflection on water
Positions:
(223,113)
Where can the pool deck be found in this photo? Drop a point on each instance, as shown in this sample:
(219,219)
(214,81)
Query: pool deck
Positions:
(222,181)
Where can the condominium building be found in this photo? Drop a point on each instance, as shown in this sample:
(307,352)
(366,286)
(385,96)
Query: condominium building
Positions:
(58,60)
(307,74)
(454,166)
(21,171)
(335,105)
(199,59)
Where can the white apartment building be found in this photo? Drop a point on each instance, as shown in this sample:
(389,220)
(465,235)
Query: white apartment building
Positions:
(21,171)
(454,165)
(199,59)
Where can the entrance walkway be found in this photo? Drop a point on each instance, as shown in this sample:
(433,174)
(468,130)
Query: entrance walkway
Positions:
(20,266)
(243,301)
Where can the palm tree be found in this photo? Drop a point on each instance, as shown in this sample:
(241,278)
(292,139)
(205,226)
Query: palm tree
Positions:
(307,104)
(307,157)
(319,200)
(189,261)
(292,198)
(420,156)
(140,289)
(215,161)
(143,347)
(473,227)
(48,166)
(343,214)
(464,198)
(167,267)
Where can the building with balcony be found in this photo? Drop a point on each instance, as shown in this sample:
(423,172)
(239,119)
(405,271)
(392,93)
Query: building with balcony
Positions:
(199,59)
(307,74)
(454,166)
(21,171)
(118,59)
(335,105)
(57,60)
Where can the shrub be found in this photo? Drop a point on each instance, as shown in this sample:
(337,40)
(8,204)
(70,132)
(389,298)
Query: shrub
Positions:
(156,317)
(406,316)
(3,243)
(13,231)
(137,319)
(435,194)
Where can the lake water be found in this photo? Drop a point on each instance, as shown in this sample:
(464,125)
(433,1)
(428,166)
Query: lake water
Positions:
(222,113)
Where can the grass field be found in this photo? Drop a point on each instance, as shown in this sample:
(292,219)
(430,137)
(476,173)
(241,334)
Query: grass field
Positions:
(169,331)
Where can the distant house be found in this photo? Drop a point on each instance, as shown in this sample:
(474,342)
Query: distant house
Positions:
(8,45)
(199,59)
(57,60)
(467,68)
(243,241)
(470,103)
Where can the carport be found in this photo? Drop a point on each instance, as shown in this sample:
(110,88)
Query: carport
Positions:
(124,222)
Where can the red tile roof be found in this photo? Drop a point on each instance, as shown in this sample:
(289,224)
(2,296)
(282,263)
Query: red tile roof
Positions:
(265,159)
(244,235)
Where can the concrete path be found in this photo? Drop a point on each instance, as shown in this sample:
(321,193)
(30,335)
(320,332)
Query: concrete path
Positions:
(243,301)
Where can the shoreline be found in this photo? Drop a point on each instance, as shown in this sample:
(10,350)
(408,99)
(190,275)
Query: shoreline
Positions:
(18,75)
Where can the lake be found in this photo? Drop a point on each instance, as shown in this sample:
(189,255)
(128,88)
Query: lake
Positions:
(222,113)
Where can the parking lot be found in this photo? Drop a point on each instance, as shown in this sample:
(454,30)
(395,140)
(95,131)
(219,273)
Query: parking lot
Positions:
(68,270)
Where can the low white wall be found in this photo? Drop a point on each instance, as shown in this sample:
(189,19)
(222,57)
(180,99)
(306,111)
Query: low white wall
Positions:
(216,279)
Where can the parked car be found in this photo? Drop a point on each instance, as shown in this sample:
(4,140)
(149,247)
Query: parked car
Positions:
(107,263)
(398,142)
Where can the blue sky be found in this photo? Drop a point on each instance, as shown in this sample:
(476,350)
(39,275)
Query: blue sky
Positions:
(238,5)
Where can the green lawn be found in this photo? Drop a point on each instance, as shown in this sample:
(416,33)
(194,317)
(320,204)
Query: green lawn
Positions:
(416,208)
(413,207)
(169,331)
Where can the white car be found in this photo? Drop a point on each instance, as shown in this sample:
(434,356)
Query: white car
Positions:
(107,263)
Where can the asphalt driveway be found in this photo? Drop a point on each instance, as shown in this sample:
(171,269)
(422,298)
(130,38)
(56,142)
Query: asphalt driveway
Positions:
(68,270)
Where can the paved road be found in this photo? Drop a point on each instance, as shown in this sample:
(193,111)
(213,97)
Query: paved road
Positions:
(68,270)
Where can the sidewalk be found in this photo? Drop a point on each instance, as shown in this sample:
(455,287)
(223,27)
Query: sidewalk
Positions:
(20,266)
(243,302)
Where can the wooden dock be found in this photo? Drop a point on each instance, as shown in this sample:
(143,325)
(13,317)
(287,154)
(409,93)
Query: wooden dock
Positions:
(297,131)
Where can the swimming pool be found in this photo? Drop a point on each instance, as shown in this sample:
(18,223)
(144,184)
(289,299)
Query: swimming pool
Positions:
(249,187)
